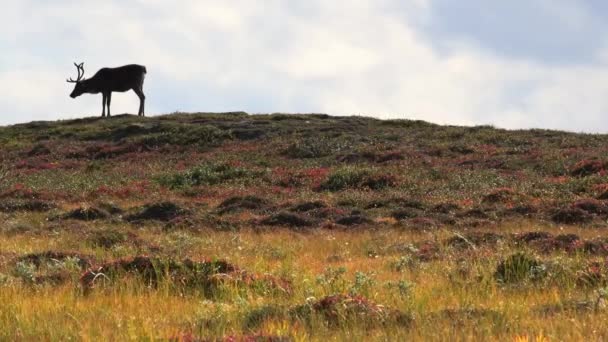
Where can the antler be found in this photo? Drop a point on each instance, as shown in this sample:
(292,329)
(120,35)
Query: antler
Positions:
(80,68)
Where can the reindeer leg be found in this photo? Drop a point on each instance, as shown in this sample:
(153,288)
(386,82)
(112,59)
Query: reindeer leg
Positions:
(109,99)
(103,105)
(142,100)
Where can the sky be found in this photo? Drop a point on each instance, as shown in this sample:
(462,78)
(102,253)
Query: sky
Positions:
(511,64)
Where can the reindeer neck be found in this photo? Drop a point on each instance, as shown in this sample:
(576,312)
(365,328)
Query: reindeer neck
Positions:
(91,85)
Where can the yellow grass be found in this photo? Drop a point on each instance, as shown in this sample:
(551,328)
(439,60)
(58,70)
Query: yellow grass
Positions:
(129,310)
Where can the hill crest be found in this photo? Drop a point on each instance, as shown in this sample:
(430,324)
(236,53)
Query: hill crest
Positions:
(351,163)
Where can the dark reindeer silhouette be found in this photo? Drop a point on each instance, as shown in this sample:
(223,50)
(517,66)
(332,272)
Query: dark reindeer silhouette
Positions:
(107,80)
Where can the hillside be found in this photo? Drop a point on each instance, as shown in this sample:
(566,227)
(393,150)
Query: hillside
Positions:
(412,171)
(229,226)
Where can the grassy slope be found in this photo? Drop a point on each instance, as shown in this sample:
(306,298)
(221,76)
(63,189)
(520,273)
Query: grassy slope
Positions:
(407,214)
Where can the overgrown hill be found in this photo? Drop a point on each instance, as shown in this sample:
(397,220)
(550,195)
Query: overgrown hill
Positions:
(237,227)
(229,170)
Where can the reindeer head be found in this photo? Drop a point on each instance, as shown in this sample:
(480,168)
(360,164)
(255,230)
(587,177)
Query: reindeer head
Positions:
(79,88)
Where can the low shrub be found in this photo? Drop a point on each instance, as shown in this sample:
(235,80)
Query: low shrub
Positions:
(39,150)
(205,174)
(205,275)
(239,203)
(287,219)
(107,238)
(354,220)
(357,178)
(308,149)
(183,135)
(406,213)
(308,206)
(591,206)
(17,205)
(86,214)
(588,167)
(499,195)
(340,309)
(474,239)
(528,237)
(571,215)
(163,211)
(49,267)
(562,242)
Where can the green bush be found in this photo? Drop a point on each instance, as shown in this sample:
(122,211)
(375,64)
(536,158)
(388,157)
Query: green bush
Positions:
(308,148)
(205,174)
(357,178)
(344,178)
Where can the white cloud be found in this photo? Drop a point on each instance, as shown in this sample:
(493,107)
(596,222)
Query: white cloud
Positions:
(357,57)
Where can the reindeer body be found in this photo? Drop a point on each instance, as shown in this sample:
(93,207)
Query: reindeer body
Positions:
(108,80)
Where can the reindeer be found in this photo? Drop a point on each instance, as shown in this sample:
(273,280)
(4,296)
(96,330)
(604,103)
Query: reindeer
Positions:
(107,80)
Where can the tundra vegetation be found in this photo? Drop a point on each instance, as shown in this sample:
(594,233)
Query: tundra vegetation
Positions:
(205,227)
